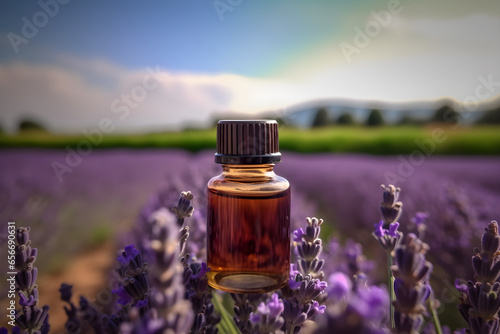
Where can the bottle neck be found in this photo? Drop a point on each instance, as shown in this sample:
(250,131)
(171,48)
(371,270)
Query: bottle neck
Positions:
(248,173)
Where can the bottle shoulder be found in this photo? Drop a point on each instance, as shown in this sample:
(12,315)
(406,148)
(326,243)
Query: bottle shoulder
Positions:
(252,187)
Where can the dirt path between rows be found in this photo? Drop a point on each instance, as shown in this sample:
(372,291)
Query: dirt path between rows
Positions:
(89,273)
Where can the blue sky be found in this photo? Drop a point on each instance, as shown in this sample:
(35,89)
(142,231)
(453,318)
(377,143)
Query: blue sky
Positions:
(256,55)
(252,39)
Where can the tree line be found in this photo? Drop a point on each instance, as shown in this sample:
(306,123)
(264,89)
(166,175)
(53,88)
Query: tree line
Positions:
(445,114)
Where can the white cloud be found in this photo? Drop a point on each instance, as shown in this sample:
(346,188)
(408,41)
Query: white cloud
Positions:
(77,94)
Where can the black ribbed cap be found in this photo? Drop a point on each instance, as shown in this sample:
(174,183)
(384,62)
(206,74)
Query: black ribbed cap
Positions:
(247,142)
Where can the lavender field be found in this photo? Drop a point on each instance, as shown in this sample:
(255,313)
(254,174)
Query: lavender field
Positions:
(102,197)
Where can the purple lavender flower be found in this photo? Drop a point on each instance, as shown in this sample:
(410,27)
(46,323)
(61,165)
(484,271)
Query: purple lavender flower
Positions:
(348,259)
(30,318)
(339,286)
(390,208)
(379,229)
(272,308)
(176,275)
(123,297)
(388,238)
(295,314)
(200,295)
(161,245)
(486,262)
(25,258)
(129,256)
(362,311)
(411,272)
(418,221)
(371,303)
(268,318)
(410,299)
(490,241)
(159,308)
(297,234)
(393,230)
(111,324)
(419,218)
(480,301)
(295,277)
(386,231)
(184,209)
(485,300)
(308,248)
(309,289)
(244,305)
(161,203)
(194,274)
(90,315)
(317,308)
(134,284)
(183,237)
(348,295)
(461,287)
(305,284)
(72,325)
(410,264)
(480,306)
(153,292)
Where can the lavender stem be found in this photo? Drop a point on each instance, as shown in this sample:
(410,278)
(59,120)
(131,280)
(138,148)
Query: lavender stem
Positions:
(435,317)
(391,287)
(226,322)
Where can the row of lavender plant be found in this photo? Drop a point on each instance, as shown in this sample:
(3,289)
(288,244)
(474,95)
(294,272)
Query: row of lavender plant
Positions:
(342,187)
(163,286)
(30,192)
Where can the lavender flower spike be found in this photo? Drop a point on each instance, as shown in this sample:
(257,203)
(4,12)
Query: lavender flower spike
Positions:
(418,223)
(411,271)
(167,295)
(362,311)
(390,207)
(133,290)
(30,318)
(244,305)
(480,301)
(134,284)
(308,248)
(305,283)
(184,209)
(268,318)
(200,295)
(72,325)
(486,262)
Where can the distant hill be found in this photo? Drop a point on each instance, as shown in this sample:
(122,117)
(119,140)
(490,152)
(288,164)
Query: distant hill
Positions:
(303,115)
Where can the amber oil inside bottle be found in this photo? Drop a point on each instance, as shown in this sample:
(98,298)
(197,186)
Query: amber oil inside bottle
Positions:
(248,229)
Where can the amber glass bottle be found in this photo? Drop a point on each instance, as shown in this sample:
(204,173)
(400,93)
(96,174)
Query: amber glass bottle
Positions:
(248,219)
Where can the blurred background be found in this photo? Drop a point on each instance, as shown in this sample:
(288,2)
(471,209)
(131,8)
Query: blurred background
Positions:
(104,105)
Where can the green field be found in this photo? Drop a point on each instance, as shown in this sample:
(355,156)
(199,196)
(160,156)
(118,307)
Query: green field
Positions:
(478,140)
